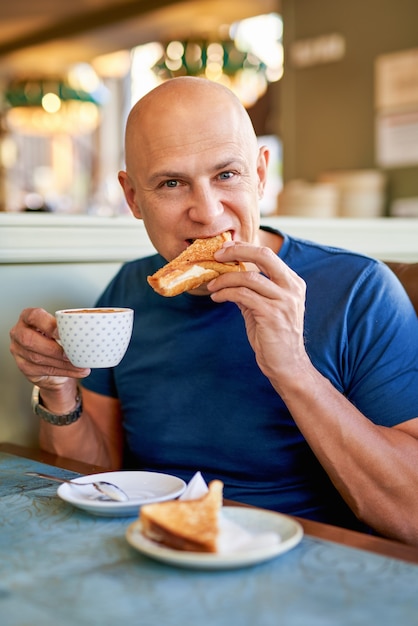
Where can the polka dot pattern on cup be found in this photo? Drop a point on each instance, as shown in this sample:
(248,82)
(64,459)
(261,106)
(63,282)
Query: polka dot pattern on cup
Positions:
(95,337)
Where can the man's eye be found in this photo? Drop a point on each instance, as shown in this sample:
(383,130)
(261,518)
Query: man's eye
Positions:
(226,175)
(171,183)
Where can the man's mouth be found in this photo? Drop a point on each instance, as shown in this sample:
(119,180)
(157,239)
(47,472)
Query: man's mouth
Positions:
(190,241)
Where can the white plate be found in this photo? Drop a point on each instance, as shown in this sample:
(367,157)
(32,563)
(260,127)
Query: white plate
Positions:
(141,487)
(251,519)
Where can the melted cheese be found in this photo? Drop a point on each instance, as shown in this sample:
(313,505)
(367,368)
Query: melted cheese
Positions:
(194,272)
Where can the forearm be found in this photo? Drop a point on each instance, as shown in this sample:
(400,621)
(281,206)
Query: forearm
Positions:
(374,468)
(88,439)
(76,441)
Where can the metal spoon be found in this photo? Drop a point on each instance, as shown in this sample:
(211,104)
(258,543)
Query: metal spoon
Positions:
(108,489)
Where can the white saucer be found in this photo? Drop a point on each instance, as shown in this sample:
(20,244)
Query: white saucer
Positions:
(141,487)
(289,532)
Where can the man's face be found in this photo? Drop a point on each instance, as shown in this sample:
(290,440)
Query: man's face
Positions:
(194,177)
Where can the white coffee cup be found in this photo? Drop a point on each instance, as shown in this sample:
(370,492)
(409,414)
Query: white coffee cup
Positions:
(95,337)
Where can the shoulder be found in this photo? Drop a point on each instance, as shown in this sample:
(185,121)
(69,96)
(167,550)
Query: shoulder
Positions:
(335,272)
(299,252)
(313,260)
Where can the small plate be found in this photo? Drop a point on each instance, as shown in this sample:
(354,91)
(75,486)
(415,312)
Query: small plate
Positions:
(141,487)
(253,520)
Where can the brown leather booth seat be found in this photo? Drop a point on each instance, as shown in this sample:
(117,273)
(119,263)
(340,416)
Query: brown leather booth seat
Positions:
(408,275)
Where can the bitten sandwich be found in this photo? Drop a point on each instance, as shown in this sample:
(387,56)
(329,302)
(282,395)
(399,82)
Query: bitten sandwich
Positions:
(185,524)
(193,267)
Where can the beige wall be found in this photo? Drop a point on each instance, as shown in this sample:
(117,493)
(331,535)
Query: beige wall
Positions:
(327,111)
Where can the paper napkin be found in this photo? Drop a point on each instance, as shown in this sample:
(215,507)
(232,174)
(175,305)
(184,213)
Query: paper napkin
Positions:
(196,488)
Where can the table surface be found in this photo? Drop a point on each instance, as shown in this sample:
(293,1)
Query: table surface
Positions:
(56,560)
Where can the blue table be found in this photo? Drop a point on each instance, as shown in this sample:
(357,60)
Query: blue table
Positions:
(61,566)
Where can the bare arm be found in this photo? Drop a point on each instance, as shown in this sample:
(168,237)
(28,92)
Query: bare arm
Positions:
(374,468)
(97,436)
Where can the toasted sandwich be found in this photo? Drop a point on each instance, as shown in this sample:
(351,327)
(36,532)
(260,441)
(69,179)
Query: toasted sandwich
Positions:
(185,524)
(193,267)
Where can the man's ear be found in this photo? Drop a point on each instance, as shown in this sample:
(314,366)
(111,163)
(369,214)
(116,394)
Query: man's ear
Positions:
(129,192)
(262,169)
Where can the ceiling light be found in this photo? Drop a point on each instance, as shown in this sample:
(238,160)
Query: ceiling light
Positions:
(247,61)
(48,105)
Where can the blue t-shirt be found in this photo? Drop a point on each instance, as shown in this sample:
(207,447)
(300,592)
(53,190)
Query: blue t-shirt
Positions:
(193,397)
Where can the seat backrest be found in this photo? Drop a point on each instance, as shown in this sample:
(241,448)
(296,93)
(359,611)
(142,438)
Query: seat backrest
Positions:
(408,275)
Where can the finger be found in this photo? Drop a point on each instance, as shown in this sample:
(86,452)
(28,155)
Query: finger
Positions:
(35,372)
(254,290)
(240,285)
(263,258)
(37,354)
(243,298)
(27,340)
(40,320)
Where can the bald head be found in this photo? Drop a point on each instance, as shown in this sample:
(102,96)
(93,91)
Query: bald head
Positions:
(193,165)
(184,105)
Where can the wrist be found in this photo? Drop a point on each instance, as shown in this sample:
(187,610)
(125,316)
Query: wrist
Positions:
(59,398)
(57,418)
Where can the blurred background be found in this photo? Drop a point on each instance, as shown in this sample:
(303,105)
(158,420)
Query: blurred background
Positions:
(331,87)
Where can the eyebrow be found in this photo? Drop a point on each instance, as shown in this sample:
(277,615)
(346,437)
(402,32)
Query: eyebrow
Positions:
(171,174)
(165,174)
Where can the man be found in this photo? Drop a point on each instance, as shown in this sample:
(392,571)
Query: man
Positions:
(309,408)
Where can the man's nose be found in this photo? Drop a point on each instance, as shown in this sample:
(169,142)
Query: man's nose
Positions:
(205,204)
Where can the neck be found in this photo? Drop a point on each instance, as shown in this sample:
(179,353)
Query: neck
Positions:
(272,240)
